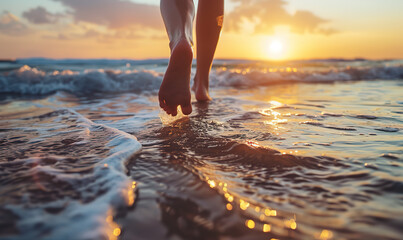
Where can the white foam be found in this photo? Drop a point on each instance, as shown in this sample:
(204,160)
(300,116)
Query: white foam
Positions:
(27,80)
(167,119)
(85,220)
(238,78)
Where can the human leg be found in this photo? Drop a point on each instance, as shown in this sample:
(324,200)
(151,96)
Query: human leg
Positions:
(178,19)
(208,28)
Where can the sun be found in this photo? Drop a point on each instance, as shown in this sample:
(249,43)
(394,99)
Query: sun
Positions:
(276,47)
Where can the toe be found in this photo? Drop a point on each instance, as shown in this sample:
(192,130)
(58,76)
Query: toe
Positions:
(174,112)
(187,108)
(171,110)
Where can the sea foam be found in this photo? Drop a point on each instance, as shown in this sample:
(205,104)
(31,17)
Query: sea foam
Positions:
(31,81)
(99,178)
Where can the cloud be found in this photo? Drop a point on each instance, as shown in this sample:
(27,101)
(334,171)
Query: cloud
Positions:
(59,36)
(267,14)
(40,15)
(101,34)
(114,14)
(101,20)
(11,25)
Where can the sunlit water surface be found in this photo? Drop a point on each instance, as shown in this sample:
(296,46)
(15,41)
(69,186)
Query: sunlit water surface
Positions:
(293,161)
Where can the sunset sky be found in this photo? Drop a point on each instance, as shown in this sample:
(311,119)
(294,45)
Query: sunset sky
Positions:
(253,29)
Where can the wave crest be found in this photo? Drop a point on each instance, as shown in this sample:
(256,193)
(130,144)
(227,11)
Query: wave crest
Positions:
(31,81)
(27,80)
(248,78)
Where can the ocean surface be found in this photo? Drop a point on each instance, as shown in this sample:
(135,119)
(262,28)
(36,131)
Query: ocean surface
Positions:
(293,150)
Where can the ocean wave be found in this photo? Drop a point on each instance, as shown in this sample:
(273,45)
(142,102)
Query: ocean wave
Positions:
(75,177)
(27,80)
(32,81)
(250,78)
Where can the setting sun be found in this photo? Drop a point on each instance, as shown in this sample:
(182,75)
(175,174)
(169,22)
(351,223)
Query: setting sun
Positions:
(276,47)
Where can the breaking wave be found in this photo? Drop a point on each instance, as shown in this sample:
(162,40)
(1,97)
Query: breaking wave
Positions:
(32,81)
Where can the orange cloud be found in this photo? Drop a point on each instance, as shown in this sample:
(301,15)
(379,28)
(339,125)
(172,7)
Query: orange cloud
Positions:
(267,14)
(11,25)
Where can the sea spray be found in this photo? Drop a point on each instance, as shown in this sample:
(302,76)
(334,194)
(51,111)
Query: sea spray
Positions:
(167,119)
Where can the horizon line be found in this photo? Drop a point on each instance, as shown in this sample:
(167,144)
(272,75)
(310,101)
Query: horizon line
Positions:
(223,59)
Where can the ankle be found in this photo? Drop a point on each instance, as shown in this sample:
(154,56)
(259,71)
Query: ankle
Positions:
(201,86)
(181,40)
(201,79)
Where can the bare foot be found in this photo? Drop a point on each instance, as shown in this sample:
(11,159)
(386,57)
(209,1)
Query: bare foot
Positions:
(175,89)
(200,88)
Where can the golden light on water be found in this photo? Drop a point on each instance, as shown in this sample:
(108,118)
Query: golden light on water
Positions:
(266,228)
(130,197)
(116,232)
(326,234)
(269,212)
(257,215)
(269,112)
(212,183)
(275,104)
(113,229)
(291,224)
(274,122)
(243,204)
(250,224)
(229,197)
(229,206)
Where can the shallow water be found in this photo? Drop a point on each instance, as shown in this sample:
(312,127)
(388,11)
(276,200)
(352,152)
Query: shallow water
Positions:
(284,161)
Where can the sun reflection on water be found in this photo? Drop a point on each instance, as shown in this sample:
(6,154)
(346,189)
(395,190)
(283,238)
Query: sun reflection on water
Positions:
(256,217)
(260,70)
(250,224)
(116,232)
(113,229)
(266,228)
(291,224)
(229,206)
(325,235)
(269,212)
(211,183)
(269,112)
(243,204)
(275,104)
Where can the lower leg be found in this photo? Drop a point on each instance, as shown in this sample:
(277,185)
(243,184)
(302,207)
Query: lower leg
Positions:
(208,28)
(175,90)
